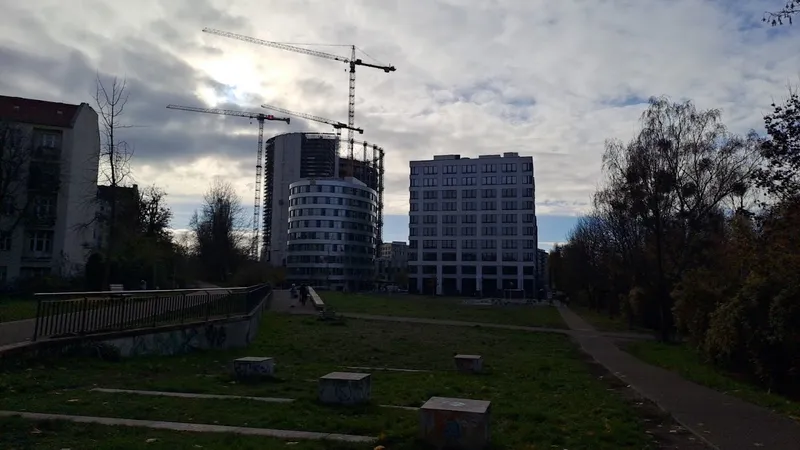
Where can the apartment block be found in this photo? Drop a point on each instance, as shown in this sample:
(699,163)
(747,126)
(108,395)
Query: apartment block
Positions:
(50,164)
(472,225)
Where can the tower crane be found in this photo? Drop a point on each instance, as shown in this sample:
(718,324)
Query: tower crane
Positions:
(259,164)
(337,126)
(352,62)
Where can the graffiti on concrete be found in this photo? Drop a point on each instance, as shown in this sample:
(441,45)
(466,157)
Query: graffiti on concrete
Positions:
(253,367)
(345,388)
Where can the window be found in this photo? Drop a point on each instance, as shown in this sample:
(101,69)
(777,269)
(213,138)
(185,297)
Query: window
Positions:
(509,256)
(488,244)
(430,231)
(450,194)
(430,170)
(469,218)
(508,167)
(7,208)
(449,231)
(45,207)
(413,195)
(412,231)
(528,231)
(488,193)
(414,182)
(451,181)
(509,231)
(449,206)
(450,219)
(527,179)
(489,231)
(468,231)
(528,192)
(489,168)
(469,168)
(509,218)
(429,182)
(430,206)
(469,244)
(413,219)
(429,244)
(509,205)
(469,206)
(415,170)
(5,242)
(489,218)
(450,169)
(469,193)
(468,181)
(509,244)
(429,219)
(489,180)
(413,206)
(527,167)
(528,218)
(488,205)
(40,241)
(449,245)
(430,195)
(508,179)
(509,192)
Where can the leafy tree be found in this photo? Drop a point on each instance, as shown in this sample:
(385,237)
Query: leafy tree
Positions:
(782,150)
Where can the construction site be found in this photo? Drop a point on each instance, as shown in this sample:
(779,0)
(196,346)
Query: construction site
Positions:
(288,158)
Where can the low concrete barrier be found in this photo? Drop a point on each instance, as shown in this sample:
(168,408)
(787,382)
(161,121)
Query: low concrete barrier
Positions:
(315,299)
(219,334)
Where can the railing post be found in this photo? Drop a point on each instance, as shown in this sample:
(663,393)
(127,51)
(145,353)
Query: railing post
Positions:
(208,305)
(183,311)
(38,318)
(84,313)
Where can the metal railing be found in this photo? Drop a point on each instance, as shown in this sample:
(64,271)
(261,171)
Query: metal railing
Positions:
(80,313)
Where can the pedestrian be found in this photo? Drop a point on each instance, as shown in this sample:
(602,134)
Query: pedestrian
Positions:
(303,294)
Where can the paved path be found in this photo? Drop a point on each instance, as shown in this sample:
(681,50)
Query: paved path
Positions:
(460,323)
(723,421)
(282,301)
(193,427)
(22,330)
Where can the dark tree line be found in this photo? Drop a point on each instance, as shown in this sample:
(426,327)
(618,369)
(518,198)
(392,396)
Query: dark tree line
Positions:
(694,234)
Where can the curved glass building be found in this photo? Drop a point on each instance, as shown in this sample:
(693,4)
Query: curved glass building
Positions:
(333,233)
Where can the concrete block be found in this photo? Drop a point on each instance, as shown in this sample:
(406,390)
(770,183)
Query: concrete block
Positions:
(455,423)
(345,388)
(469,363)
(253,367)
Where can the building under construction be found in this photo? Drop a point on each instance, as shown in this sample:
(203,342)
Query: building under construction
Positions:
(366,165)
(291,157)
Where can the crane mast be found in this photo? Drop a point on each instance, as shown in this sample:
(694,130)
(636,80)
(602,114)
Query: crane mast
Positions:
(352,63)
(260,117)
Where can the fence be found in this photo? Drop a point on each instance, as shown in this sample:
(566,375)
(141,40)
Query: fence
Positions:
(95,312)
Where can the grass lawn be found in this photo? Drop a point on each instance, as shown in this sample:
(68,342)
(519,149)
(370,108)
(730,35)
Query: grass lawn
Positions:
(21,434)
(690,365)
(542,391)
(17,309)
(442,308)
(603,322)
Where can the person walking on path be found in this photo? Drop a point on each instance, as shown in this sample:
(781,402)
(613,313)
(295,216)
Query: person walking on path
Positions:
(303,295)
(723,421)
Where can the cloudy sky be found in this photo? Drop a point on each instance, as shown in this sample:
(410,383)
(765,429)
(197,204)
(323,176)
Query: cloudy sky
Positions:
(547,78)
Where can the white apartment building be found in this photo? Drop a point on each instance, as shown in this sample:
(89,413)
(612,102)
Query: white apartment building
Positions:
(333,233)
(48,202)
(288,158)
(472,225)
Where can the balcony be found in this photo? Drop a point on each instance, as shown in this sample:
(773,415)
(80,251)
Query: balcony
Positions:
(40,221)
(44,177)
(33,257)
(46,153)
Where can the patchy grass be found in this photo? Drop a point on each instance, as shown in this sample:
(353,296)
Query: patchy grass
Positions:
(12,309)
(443,308)
(57,435)
(603,322)
(542,392)
(690,365)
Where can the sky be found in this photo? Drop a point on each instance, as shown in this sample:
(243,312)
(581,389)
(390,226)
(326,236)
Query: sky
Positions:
(551,79)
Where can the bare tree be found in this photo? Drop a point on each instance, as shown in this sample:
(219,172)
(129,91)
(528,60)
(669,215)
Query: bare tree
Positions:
(115,154)
(15,151)
(784,15)
(221,242)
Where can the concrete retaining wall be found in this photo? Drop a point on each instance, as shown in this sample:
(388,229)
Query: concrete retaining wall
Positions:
(220,334)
